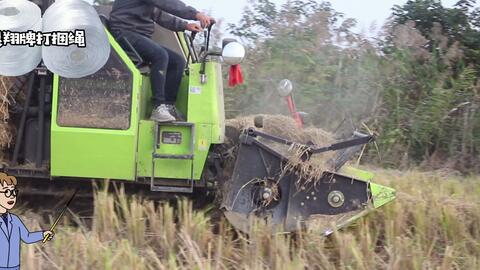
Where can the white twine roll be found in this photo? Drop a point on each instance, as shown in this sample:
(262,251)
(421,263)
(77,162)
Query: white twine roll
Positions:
(73,61)
(19,16)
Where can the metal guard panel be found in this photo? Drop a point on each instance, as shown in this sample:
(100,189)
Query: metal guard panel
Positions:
(298,203)
(101,100)
(312,199)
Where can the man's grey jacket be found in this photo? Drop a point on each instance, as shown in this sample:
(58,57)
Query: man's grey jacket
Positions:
(139,15)
(10,241)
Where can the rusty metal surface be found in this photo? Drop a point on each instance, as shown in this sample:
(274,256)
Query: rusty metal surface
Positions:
(101,100)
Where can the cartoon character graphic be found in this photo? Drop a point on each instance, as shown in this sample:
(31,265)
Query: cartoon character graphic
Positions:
(12,228)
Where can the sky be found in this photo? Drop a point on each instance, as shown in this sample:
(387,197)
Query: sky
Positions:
(365,12)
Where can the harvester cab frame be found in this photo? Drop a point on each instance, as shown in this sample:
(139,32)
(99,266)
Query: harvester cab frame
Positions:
(97,127)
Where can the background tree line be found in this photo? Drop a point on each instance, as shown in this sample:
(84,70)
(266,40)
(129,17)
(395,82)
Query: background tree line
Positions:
(416,85)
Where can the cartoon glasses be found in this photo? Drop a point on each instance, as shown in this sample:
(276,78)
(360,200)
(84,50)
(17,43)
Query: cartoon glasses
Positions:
(10,192)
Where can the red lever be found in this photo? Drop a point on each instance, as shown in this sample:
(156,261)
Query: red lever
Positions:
(293,111)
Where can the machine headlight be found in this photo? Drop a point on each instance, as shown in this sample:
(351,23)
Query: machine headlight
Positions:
(233,53)
(285,88)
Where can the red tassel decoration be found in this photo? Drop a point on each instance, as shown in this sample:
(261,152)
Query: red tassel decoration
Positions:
(236,76)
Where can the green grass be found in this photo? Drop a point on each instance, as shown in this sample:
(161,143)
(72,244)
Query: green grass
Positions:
(433,224)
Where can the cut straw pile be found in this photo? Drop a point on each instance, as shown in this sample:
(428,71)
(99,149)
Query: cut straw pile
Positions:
(285,127)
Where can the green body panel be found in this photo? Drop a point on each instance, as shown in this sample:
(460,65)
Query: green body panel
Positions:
(96,153)
(357,173)
(173,168)
(145,95)
(381,195)
(205,101)
(93,154)
(203,108)
(182,96)
(165,168)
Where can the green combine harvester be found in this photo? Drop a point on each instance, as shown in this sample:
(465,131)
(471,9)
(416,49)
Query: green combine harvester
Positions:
(98,127)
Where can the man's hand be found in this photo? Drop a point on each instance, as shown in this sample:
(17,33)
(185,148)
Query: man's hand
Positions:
(194,27)
(48,235)
(204,19)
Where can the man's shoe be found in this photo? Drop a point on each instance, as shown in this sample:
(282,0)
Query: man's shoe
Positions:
(176,113)
(161,114)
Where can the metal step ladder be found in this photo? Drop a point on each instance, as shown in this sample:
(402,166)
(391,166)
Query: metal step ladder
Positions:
(156,156)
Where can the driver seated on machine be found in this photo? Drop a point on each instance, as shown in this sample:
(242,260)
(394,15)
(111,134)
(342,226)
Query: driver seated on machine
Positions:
(134,20)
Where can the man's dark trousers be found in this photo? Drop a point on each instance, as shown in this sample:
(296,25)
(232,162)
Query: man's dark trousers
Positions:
(166,66)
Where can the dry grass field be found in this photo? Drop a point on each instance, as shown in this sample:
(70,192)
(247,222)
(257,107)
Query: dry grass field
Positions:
(433,224)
